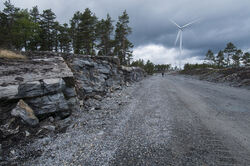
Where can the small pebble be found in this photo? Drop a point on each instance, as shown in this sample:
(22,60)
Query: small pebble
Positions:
(12,152)
(49,127)
(27,133)
(51,119)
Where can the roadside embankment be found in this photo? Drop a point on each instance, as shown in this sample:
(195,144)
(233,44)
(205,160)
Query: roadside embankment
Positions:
(237,77)
(38,92)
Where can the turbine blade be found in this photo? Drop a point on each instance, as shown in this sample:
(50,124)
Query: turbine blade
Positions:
(177,37)
(175,24)
(192,22)
(181,41)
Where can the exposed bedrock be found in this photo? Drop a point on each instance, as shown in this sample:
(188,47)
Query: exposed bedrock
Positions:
(48,84)
(34,89)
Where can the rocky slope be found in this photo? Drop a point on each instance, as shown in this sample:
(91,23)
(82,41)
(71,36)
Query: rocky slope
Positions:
(238,77)
(37,93)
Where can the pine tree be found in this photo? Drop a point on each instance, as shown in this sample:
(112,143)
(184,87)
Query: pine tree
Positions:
(149,67)
(104,30)
(9,14)
(83,28)
(4,38)
(16,27)
(210,57)
(74,31)
(22,30)
(220,59)
(64,38)
(47,25)
(236,58)
(34,13)
(122,44)
(35,40)
(230,50)
(55,34)
(246,59)
(87,32)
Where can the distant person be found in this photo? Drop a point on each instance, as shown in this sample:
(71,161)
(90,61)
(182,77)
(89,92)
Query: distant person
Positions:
(162,74)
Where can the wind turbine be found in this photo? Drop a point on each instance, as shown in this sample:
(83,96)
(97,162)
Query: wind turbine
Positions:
(181,28)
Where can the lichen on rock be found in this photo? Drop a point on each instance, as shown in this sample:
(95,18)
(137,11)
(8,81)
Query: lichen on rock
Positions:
(23,111)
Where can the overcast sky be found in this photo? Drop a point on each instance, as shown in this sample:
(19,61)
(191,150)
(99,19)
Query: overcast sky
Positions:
(153,34)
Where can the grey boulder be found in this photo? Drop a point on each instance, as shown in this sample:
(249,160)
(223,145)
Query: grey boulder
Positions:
(23,111)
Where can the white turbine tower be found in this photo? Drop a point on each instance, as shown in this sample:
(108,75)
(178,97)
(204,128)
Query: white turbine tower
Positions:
(179,34)
(181,28)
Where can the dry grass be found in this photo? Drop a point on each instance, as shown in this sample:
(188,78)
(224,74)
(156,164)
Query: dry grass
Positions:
(10,55)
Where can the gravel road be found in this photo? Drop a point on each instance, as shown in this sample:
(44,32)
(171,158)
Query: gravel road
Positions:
(171,120)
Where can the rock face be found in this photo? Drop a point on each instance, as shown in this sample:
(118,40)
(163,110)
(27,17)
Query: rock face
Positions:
(52,84)
(96,75)
(238,77)
(35,88)
(133,73)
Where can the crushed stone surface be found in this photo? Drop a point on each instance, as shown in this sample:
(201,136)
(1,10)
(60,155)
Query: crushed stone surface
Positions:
(171,120)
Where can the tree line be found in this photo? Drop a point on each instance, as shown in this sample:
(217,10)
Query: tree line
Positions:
(231,56)
(150,67)
(30,30)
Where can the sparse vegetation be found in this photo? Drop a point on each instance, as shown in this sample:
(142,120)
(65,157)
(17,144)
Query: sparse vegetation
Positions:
(162,67)
(10,55)
(189,67)
(231,57)
(138,63)
(150,67)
